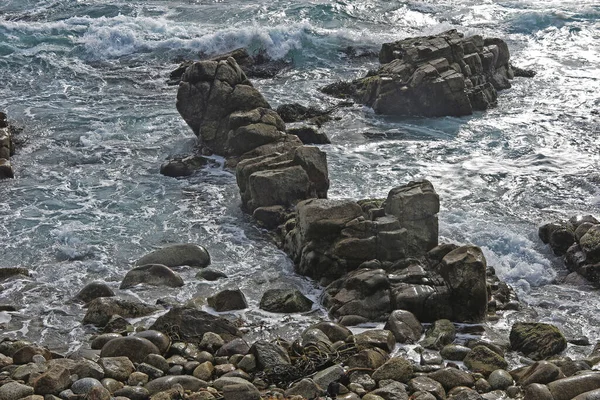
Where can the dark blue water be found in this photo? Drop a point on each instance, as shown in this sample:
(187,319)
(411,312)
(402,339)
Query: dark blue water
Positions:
(87,81)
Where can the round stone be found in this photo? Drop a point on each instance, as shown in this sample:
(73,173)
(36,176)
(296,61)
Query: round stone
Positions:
(132,347)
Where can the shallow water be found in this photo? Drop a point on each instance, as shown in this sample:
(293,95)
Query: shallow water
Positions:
(87,81)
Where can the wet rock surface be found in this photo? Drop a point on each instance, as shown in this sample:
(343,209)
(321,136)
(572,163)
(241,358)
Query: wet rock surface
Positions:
(444,74)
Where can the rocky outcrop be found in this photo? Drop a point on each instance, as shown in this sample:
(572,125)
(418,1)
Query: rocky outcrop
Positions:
(537,340)
(7,148)
(445,74)
(259,65)
(578,241)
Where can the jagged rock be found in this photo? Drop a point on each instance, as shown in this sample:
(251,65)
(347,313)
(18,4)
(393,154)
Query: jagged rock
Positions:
(152,274)
(464,271)
(295,112)
(25,354)
(416,205)
(270,217)
(309,135)
(101,309)
(537,340)
(380,338)
(228,300)
(53,381)
(269,354)
(405,326)
(445,74)
(94,290)
(285,301)
(306,388)
(192,324)
(177,255)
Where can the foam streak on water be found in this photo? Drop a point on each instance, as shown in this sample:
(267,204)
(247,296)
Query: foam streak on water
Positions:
(87,80)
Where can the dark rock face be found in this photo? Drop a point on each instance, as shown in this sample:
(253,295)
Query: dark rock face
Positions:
(6,148)
(537,340)
(445,74)
(101,309)
(578,241)
(133,347)
(183,166)
(191,324)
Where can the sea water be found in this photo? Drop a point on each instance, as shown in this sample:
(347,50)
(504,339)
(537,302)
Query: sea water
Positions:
(87,81)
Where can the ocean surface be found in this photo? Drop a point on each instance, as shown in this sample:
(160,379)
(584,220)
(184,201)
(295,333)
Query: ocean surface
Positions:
(87,81)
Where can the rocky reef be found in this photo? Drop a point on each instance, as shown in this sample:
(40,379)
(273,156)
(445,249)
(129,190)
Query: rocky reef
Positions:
(445,74)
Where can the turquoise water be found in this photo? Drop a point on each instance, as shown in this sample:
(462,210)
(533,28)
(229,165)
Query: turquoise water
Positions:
(87,80)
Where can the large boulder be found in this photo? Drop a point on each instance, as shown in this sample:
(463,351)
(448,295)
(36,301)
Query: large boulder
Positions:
(405,326)
(133,347)
(464,271)
(190,324)
(416,205)
(176,255)
(537,340)
(227,300)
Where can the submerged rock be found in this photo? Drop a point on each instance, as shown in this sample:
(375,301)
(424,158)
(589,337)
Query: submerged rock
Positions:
(444,74)
(101,309)
(94,290)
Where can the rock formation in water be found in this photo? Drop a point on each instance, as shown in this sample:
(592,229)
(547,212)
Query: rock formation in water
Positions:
(445,74)
(578,241)
(377,255)
(7,148)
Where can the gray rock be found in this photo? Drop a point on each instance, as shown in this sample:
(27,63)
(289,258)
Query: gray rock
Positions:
(464,271)
(193,324)
(568,388)
(101,309)
(285,301)
(540,372)
(591,395)
(405,326)
(391,391)
(332,374)
(537,391)
(306,388)
(15,391)
(177,255)
(118,368)
(133,393)
(157,361)
(183,166)
(269,354)
(426,384)
(335,332)
(416,205)
(452,377)
(454,352)
(236,346)
(397,369)
(241,392)
(133,347)
(590,244)
(500,380)
(152,274)
(223,382)
(380,338)
(159,339)
(53,381)
(440,334)
(85,385)
(94,290)
(167,382)
(228,300)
